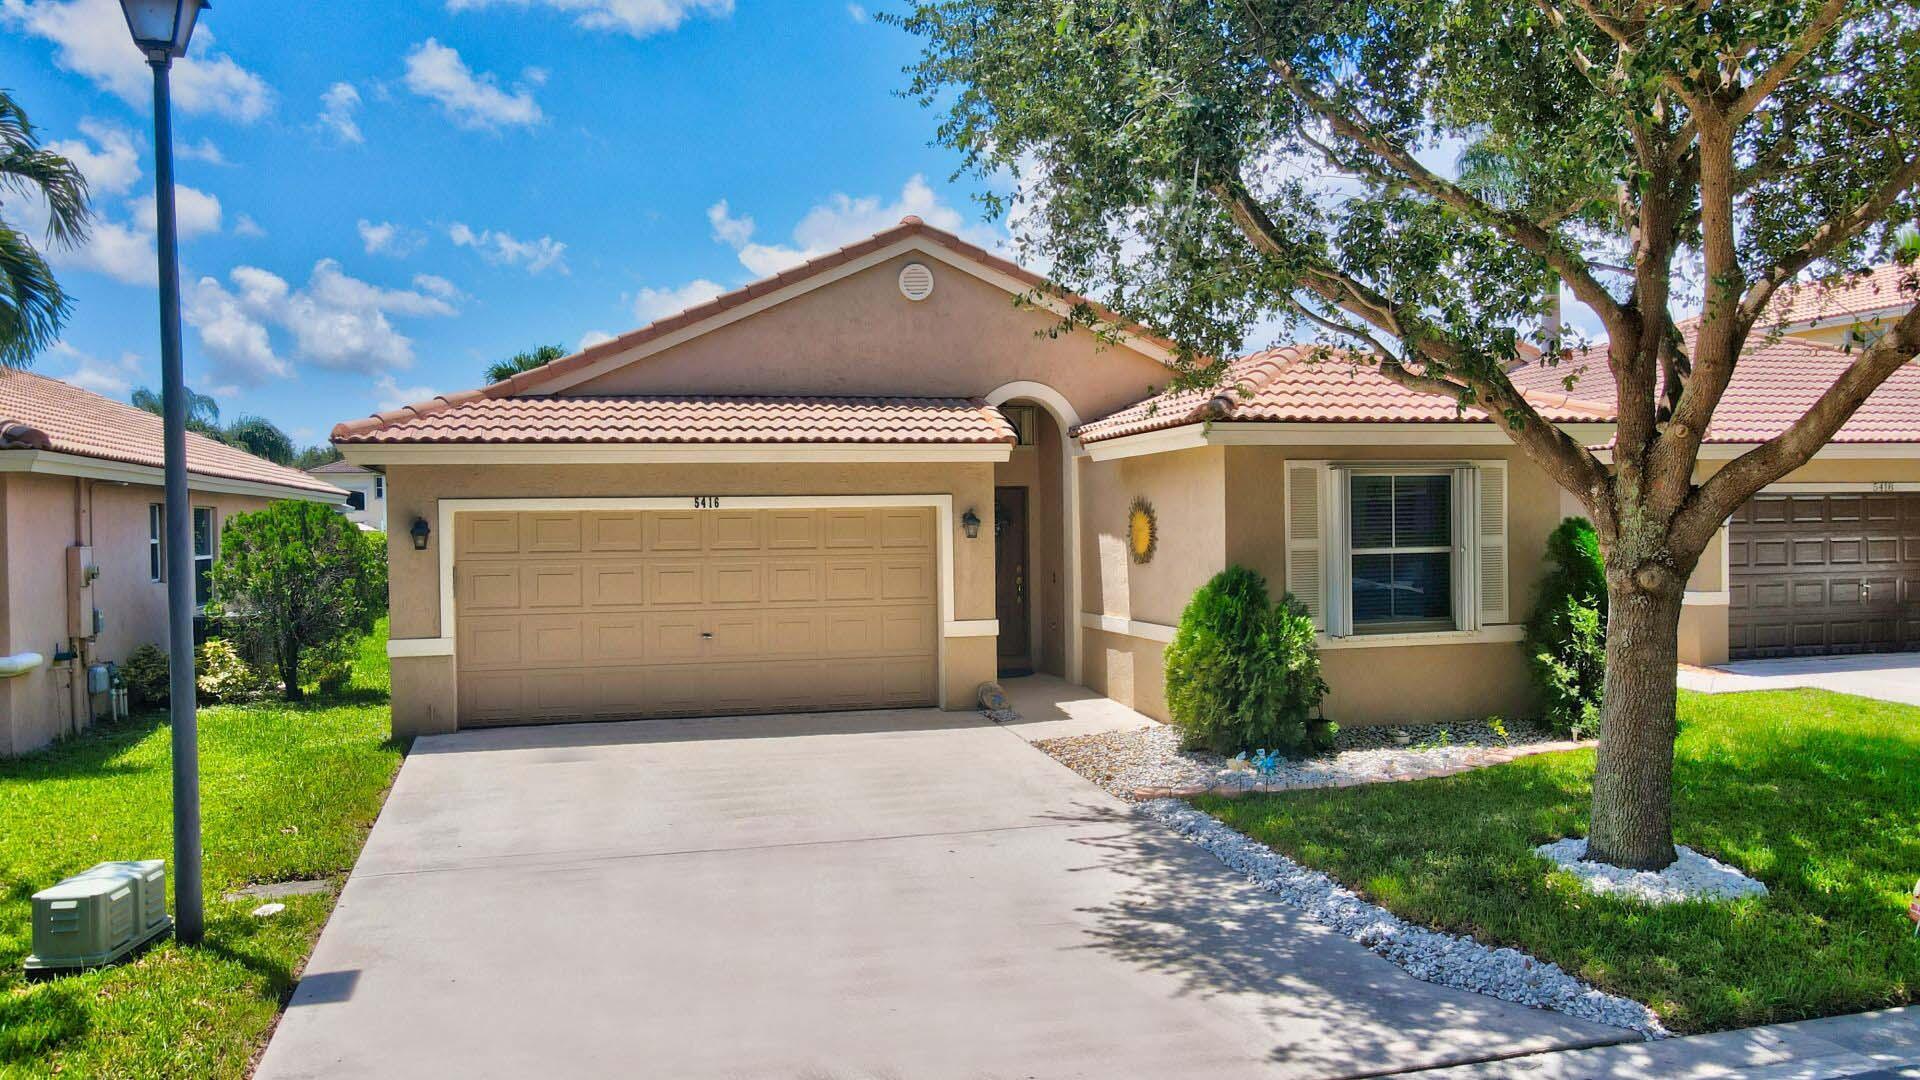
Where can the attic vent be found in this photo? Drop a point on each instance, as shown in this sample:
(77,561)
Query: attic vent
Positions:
(916,281)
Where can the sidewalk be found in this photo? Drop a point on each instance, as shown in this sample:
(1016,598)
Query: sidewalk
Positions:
(1880,1045)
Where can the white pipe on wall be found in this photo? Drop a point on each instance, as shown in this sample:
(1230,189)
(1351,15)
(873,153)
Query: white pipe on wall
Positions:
(19,664)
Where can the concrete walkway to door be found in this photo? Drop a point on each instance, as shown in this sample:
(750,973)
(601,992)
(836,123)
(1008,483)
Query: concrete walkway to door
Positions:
(886,894)
(1886,676)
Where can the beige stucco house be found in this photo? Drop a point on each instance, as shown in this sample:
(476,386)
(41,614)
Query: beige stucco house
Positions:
(82,573)
(887,476)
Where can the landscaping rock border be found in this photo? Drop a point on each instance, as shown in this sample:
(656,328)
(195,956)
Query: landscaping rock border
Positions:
(1429,955)
(1692,876)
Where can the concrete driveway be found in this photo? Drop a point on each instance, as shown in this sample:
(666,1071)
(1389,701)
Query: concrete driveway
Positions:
(889,894)
(1886,676)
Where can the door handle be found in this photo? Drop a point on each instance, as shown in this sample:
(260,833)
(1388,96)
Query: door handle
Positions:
(706,633)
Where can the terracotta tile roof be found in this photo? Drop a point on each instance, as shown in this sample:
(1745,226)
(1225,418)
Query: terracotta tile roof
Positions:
(344,467)
(38,413)
(1288,385)
(1773,385)
(529,381)
(1877,290)
(697,419)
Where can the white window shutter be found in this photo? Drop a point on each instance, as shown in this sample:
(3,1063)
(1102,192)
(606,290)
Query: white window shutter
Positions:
(1305,520)
(1491,543)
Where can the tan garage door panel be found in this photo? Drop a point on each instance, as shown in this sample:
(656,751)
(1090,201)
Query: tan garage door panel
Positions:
(615,614)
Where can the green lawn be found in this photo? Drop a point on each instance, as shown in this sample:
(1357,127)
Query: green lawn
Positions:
(1816,794)
(289,792)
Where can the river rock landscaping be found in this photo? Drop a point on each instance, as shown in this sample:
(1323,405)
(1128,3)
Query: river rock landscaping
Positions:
(1691,876)
(1148,763)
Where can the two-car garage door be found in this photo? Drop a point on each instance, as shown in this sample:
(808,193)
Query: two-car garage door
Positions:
(584,615)
(1814,573)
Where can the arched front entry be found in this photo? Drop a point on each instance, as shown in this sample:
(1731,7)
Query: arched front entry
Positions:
(1037,527)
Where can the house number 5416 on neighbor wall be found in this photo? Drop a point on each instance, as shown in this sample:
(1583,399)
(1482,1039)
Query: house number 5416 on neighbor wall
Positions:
(706,502)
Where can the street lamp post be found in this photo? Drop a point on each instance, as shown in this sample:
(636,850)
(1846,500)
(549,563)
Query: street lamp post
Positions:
(161,29)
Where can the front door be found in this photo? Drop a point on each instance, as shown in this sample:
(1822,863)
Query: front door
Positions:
(1011,601)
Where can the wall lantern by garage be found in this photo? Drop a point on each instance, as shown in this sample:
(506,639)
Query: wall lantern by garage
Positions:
(419,532)
(970,521)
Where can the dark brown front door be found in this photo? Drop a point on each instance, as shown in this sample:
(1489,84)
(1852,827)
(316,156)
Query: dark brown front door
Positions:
(1817,574)
(1011,584)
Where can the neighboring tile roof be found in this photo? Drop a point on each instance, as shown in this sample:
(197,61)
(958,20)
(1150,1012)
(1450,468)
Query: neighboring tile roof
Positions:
(1877,290)
(38,413)
(1289,385)
(529,381)
(343,467)
(1775,383)
(697,419)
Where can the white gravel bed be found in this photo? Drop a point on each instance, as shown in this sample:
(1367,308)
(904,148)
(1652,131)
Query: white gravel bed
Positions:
(1692,876)
(1125,761)
(1434,957)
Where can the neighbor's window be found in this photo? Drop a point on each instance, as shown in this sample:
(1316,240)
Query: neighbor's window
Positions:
(203,548)
(1400,541)
(379,487)
(1024,419)
(357,499)
(156,542)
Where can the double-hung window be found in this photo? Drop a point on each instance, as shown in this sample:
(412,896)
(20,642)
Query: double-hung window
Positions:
(203,549)
(1387,548)
(156,542)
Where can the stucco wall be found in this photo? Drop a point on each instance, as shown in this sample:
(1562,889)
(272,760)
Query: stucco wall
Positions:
(423,686)
(860,336)
(41,523)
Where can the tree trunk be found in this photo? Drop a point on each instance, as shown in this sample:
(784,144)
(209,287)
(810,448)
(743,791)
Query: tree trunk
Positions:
(1632,820)
(290,672)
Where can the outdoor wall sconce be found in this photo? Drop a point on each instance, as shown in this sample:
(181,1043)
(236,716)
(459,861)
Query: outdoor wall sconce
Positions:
(419,532)
(970,521)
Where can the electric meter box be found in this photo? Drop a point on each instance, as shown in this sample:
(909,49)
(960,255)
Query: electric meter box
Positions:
(99,916)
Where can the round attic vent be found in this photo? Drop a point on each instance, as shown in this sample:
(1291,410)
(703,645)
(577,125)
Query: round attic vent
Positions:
(916,281)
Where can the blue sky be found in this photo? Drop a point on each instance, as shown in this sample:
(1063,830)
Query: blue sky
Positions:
(378,200)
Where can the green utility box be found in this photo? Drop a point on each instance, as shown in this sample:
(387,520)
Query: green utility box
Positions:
(99,916)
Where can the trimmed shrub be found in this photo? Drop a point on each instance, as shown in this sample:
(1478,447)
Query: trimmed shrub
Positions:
(331,667)
(1243,672)
(145,673)
(1566,639)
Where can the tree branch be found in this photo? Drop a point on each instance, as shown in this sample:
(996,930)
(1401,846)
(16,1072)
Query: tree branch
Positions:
(1825,239)
(1808,40)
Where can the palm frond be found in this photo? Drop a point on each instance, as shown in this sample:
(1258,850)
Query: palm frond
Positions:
(32,305)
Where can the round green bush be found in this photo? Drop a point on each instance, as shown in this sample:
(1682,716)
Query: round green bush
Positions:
(144,672)
(1567,633)
(1243,672)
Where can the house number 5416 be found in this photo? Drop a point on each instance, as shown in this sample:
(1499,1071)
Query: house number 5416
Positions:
(706,502)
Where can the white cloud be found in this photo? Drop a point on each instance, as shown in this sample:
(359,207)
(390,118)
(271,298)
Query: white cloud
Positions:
(856,13)
(636,17)
(90,39)
(434,285)
(389,394)
(245,226)
(335,321)
(114,378)
(388,238)
(437,73)
(108,158)
(502,248)
(204,150)
(839,221)
(337,108)
(120,250)
(652,304)
(591,338)
(195,212)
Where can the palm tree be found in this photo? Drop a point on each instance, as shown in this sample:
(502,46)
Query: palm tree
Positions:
(203,413)
(260,437)
(32,305)
(506,369)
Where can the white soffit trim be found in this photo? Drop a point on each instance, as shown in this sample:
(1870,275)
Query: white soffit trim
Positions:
(917,244)
(941,504)
(1829,452)
(1120,624)
(1339,433)
(667,453)
(54,463)
(1853,488)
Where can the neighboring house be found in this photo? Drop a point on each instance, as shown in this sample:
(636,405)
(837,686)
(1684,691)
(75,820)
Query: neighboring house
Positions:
(876,480)
(1852,312)
(366,503)
(82,574)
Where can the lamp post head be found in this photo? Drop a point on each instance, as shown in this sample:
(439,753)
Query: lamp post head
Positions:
(162,27)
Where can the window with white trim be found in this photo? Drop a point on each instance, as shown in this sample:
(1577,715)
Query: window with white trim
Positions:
(379,487)
(203,549)
(1390,548)
(156,542)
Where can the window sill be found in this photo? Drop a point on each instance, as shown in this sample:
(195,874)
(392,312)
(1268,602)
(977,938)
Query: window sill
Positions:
(1486,636)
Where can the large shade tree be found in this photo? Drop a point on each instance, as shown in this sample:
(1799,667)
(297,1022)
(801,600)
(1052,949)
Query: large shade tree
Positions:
(1174,156)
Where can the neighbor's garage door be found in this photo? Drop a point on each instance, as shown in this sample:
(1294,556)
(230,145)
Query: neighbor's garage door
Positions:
(1814,574)
(608,615)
